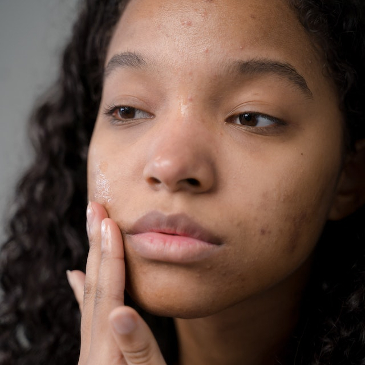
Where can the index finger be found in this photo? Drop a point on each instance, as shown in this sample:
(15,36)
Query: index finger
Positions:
(109,291)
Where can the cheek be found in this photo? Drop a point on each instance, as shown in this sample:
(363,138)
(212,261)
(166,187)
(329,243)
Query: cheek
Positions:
(99,183)
(111,177)
(277,216)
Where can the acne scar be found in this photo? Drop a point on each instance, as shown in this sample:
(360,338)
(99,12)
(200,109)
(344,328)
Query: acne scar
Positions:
(297,223)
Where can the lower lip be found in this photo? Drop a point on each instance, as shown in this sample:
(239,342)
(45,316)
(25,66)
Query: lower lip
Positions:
(169,248)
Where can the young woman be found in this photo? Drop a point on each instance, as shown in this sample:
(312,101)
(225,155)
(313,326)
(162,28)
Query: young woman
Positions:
(225,176)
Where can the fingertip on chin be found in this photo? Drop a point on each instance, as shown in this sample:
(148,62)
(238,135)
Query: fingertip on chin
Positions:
(124,320)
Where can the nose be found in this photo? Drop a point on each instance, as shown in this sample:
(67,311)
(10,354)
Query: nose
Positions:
(181,159)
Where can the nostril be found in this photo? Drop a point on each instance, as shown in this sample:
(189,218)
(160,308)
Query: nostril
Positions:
(154,181)
(193,182)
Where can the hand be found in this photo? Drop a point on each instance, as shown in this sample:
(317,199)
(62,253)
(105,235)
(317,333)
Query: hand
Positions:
(111,333)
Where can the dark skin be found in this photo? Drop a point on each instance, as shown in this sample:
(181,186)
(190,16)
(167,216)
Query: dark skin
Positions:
(240,151)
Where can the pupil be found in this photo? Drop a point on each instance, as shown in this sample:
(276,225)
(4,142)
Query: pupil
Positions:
(248,119)
(127,112)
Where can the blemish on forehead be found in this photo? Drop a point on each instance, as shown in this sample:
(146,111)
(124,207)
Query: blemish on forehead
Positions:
(187,23)
(253,16)
(204,13)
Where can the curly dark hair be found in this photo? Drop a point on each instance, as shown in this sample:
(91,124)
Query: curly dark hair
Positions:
(39,317)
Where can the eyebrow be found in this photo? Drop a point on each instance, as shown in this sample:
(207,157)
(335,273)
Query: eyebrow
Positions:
(267,66)
(125,59)
(247,67)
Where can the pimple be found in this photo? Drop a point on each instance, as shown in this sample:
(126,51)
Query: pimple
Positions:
(253,16)
(264,231)
(204,13)
(187,23)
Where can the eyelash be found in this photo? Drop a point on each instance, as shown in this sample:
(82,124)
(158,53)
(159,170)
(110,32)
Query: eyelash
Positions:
(112,109)
(249,116)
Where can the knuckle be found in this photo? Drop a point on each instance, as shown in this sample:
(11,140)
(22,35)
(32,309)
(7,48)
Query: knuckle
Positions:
(101,294)
(105,257)
(140,355)
(88,291)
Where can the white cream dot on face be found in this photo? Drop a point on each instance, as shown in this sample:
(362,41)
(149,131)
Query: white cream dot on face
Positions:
(183,104)
(102,186)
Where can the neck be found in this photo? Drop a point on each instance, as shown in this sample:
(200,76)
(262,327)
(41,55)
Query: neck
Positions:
(255,331)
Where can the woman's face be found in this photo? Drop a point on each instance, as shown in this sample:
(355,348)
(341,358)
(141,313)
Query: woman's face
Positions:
(216,125)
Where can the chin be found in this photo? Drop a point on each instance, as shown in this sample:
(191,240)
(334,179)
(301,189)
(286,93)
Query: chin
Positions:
(173,294)
(166,308)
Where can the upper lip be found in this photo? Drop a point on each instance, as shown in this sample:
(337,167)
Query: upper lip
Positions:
(173,224)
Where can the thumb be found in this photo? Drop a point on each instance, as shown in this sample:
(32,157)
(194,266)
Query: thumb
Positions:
(134,338)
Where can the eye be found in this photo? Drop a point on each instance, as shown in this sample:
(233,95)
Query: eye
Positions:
(254,120)
(125,113)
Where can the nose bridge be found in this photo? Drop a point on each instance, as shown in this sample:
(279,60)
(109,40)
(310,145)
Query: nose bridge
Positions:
(180,155)
(183,125)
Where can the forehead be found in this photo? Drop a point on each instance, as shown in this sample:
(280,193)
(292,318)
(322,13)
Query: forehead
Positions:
(197,37)
(191,27)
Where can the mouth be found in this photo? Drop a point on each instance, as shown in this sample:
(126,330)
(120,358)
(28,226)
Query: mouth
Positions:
(171,238)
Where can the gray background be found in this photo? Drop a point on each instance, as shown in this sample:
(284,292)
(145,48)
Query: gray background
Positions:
(32,34)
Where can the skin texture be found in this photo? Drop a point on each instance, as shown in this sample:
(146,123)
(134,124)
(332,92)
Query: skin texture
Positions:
(256,189)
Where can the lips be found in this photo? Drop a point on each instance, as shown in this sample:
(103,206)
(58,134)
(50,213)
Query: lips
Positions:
(177,224)
(172,238)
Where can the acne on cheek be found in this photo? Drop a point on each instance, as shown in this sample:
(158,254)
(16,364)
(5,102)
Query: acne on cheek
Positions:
(287,224)
(297,223)
(265,231)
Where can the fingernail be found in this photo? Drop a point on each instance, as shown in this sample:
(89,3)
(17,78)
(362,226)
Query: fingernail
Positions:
(124,324)
(70,278)
(105,236)
(89,215)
